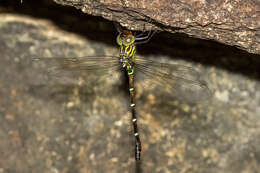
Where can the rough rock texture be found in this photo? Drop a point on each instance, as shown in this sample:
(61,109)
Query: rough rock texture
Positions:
(82,125)
(235,23)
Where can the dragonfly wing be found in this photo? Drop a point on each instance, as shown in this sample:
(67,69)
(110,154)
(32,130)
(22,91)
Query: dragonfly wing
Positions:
(60,78)
(174,79)
(75,70)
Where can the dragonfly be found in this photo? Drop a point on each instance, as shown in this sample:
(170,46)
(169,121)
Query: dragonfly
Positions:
(174,78)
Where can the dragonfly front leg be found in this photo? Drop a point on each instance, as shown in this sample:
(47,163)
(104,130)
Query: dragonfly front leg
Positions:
(118,27)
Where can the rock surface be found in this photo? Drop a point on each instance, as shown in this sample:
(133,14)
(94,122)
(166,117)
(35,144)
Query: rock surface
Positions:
(73,122)
(235,23)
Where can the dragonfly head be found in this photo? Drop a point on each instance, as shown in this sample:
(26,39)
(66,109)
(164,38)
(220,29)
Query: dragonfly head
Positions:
(125,38)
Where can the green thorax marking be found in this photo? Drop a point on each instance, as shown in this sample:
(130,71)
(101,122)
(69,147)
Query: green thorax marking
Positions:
(127,50)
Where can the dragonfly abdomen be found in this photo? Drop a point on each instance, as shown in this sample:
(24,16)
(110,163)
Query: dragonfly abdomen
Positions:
(138,147)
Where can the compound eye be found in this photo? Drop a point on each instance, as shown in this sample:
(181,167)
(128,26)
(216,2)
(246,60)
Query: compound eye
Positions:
(118,40)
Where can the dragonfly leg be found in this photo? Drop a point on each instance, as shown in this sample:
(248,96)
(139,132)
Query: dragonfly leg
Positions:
(142,33)
(144,39)
(118,27)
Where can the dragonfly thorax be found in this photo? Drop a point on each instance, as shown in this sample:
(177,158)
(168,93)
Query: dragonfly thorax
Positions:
(127,49)
(127,63)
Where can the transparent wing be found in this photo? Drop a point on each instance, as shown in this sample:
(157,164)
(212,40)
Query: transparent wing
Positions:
(81,63)
(174,79)
(62,78)
(75,70)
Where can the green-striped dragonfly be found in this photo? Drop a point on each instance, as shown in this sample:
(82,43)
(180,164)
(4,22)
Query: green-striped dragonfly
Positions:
(174,78)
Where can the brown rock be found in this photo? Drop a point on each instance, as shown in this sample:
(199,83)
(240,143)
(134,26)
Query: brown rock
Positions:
(230,22)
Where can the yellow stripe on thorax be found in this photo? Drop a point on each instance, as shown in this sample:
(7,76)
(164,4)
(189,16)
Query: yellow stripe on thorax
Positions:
(129,50)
